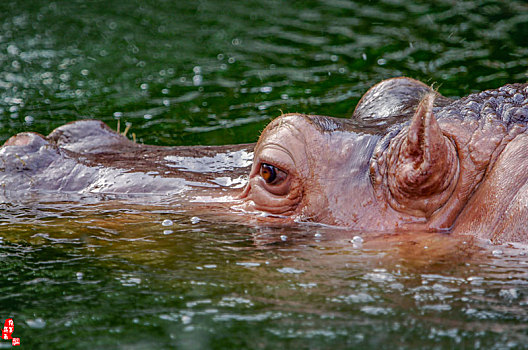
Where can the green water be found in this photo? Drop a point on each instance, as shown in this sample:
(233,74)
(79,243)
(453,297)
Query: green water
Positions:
(110,275)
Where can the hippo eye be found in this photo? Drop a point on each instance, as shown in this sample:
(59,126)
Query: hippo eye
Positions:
(271,174)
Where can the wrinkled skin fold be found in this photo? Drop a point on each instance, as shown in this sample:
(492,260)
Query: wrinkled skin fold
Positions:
(407,159)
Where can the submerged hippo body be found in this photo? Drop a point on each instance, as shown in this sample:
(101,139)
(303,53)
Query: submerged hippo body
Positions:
(408,159)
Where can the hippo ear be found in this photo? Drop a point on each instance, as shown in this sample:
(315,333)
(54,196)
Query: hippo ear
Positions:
(423,170)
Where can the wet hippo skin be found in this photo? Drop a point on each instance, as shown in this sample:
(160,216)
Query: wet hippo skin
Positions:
(407,159)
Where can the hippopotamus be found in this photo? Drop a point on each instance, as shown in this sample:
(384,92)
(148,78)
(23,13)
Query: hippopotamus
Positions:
(407,159)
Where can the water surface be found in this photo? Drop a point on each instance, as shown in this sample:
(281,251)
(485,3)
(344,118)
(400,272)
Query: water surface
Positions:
(101,272)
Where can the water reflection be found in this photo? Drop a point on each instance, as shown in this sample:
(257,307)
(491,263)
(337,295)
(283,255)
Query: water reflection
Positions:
(215,276)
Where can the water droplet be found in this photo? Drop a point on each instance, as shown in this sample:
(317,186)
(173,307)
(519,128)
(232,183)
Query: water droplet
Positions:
(195,220)
(167,232)
(186,319)
(197,80)
(13,50)
(357,239)
(167,222)
(283,238)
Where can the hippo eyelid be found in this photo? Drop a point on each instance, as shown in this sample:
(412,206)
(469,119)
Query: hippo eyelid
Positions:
(273,159)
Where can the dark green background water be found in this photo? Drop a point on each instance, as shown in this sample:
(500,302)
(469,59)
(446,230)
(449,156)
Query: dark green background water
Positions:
(84,276)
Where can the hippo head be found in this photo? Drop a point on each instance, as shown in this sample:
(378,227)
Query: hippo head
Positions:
(303,167)
(405,160)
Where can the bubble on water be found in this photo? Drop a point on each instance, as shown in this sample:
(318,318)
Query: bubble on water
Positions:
(118,115)
(266,89)
(317,235)
(197,80)
(167,232)
(79,275)
(283,238)
(195,220)
(357,242)
(13,50)
(85,72)
(167,222)
(186,319)
(144,86)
